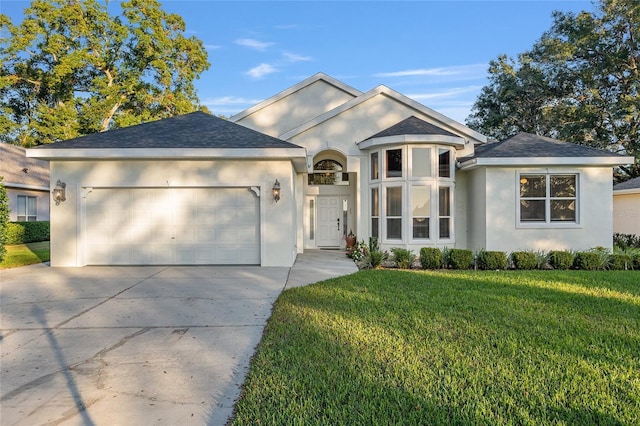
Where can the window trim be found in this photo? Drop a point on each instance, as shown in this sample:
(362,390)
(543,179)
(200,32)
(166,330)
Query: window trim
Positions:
(429,218)
(451,216)
(386,217)
(403,164)
(547,223)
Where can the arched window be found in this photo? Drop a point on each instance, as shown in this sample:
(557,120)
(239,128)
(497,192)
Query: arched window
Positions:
(328,172)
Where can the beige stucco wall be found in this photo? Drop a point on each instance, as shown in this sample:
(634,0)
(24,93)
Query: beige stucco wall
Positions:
(595,224)
(42,202)
(476,208)
(278,220)
(626,212)
(297,108)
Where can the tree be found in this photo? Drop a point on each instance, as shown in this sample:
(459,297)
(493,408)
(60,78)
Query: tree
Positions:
(579,83)
(70,69)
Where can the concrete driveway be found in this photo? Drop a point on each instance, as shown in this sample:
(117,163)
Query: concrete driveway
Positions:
(129,345)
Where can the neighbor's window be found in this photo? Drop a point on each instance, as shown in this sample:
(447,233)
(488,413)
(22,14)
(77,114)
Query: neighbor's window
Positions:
(444,212)
(375,166)
(312,219)
(548,198)
(27,209)
(394,163)
(421,208)
(394,213)
(375,212)
(421,162)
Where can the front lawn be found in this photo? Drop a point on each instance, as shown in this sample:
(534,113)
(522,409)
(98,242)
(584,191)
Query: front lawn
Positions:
(450,347)
(25,254)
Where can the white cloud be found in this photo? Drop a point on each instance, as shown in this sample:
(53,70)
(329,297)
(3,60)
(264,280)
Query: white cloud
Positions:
(261,70)
(293,57)
(224,101)
(254,44)
(212,47)
(472,70)
(448,93)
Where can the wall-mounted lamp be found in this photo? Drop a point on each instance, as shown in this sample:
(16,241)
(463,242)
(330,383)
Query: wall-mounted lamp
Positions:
(276,191)
(59,192)
(523,180)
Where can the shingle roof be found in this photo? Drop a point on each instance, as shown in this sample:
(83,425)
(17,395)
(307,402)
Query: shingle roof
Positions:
(193,130)
(21,170)
(629,184)
(529,145)
(412,126)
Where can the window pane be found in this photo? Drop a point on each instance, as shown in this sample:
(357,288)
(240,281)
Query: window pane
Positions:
(563,211)
(312,219)
(563,186)
(375,227)
(445,202)
(375,202)
(445,231)
(375,166)
(421,162)
(394,163)
(444,163)
(533,186)
(31,206)
(394,229)
(22,205)
(394,201)
(420,201)
(532,210)
(421,227)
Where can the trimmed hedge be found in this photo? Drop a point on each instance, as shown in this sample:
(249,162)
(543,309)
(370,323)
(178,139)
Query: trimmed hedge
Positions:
(523,260)
(620,261)
(4,218)
(491,260)
(27,232)
(430,258)
(460,259)
(561,259)
(404,258)
(587,260)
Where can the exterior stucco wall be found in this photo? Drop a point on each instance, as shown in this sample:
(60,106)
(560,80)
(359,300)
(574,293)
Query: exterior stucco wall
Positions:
(594,211)
(42,202)
(295,109)
(278,220)
(476,208)
(626,212)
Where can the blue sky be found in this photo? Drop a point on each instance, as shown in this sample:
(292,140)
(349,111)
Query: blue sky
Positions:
(436,52)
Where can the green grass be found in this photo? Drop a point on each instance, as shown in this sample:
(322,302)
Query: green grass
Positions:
(459,347)
(25,254)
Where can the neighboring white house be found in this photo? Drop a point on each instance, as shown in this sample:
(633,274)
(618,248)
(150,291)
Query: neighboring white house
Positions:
(626,207)
(196,189)
(27,184)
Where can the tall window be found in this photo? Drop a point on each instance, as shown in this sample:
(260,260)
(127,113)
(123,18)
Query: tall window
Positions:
(548,198)
(421,208)
(421,162)
(27,209)
(375,166)
(375,212)
(444,162)
(444,212)
(394,163)
(394,213)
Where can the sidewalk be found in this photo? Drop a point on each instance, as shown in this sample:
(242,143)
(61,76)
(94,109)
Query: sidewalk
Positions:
(318,265)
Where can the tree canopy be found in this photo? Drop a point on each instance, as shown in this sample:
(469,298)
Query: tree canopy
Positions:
(71,68)
(579,83)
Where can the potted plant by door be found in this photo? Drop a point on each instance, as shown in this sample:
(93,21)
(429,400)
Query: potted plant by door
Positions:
(351,239)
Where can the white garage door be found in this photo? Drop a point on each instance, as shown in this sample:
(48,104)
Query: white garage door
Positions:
(172,226)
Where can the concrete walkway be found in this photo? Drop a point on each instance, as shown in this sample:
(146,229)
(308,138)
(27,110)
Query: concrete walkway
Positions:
(137,345)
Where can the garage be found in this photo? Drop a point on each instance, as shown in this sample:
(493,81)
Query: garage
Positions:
(172,226)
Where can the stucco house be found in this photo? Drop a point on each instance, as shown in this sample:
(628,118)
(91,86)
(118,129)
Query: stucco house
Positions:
(626,207)
(27,183)
(307,166)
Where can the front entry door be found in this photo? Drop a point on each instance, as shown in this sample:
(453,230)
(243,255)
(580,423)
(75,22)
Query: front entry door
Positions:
(329,222)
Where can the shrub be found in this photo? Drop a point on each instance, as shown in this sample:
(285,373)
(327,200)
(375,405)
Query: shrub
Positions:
(524,260)
(589,260)
(620,261)
(561,259)
(430,257)
(27,232)
(491,260)
(542,260)
(403,257)
(374,257)
(625,241)
(4,218)
(460,259)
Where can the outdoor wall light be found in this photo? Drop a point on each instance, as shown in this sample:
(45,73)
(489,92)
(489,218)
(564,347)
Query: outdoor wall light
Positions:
(59,192)
(276,191)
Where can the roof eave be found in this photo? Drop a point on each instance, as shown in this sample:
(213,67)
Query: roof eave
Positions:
(626,191)
(546,161)
(455,141)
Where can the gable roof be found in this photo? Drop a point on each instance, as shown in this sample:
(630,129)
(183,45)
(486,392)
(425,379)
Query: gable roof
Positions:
(631,184)
(22,172)
(412,126)
(196,135)
(530,149)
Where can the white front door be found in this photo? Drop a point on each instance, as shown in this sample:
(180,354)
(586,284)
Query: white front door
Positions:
(329,222)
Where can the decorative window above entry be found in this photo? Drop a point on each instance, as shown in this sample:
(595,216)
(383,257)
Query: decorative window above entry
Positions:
(328,172)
